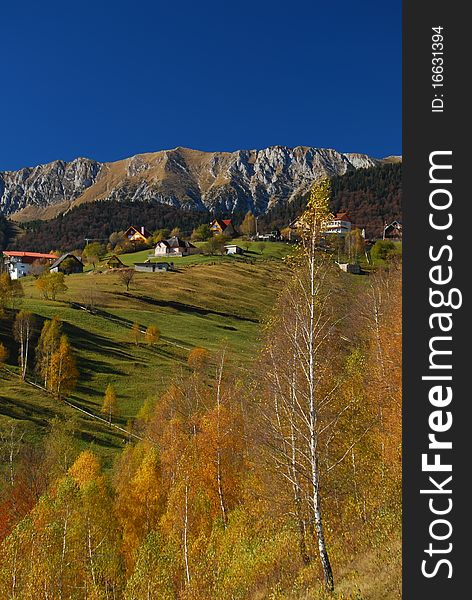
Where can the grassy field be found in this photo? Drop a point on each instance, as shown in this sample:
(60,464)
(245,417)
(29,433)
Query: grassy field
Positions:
(253,251)
(201,304)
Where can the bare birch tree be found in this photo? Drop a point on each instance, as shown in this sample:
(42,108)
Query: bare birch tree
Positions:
(305,325)
(22,330)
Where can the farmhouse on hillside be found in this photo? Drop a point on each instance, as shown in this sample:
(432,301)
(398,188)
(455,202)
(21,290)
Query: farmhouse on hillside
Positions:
(67,264)
(137,234)
(114,262)
(340,224)
(219,226)
(393,231)
(233,249)
(20,264)
(175,246)
(150,267)
(272,236)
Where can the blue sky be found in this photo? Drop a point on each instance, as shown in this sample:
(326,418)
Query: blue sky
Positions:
(108,79)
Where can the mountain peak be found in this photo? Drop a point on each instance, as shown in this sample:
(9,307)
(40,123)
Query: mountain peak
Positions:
(220,181)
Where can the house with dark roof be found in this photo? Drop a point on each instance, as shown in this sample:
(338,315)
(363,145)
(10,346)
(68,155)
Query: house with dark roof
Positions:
(393,231)
(137,234)
(219,226)
(233,249)
(153,267)
(175,246)
(67,264)
(114,262)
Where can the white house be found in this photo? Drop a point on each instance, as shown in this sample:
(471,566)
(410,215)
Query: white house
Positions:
(175,246)
(20,264)
(340,224)
(233,249)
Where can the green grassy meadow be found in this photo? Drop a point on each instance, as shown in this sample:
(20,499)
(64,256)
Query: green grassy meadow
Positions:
(203,303)
(252,252)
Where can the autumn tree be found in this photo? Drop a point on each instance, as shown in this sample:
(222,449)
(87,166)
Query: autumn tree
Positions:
(126,276)
(136,333)
(383,250)
(47,345)
(202,233)
(94,252)
(55,284)
(300,386)
(354,244)
(249,226)
(51,284)
(109,406)
(22,330)
(379,310)
(64,372)
(94,537)
(116,239)
(11,291)
(41,285)
(198,359)
(220,446)
(152,335)
(216,244)
(3,354)
(60,447)
(175,232)
(161,234)
(155,572)
(38,267)
(139,495)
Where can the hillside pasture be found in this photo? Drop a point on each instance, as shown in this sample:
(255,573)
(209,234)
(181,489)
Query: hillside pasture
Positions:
(201,305)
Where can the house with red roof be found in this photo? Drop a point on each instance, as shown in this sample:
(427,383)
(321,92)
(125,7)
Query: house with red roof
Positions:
(219,226)
(20,264)
(340,224)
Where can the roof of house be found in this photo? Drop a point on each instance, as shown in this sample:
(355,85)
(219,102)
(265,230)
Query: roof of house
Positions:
(176,242)
(342,216)
(29,254)
(63,257)
(140,230)
(223,223)
(148,263)
(114,258)
(394,224)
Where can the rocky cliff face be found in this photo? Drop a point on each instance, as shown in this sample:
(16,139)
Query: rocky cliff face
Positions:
(220,181)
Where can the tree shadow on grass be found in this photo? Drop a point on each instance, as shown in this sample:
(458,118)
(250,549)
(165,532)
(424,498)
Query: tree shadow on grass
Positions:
(25,411)
(187,308)
(91,438)
(87,341)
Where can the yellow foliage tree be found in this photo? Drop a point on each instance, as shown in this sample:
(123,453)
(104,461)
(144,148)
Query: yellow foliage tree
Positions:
(139,498)
(85,469)
(47,345)
(64,372)
(3,354)
(152,335)
(109,406)
(317,213)
(136,333)
(198,359)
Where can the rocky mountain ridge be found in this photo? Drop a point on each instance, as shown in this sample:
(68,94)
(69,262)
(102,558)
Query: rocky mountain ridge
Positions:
(225,182)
